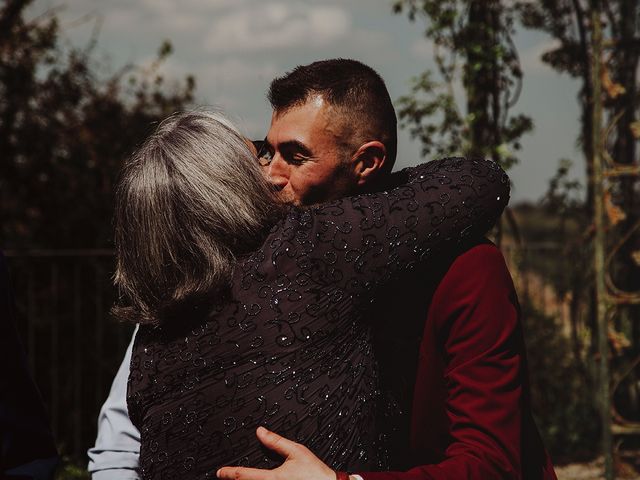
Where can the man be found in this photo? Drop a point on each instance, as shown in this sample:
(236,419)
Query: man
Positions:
(455,385)
(27,450)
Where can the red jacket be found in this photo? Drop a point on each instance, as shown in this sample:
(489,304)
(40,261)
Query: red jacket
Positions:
(471,417)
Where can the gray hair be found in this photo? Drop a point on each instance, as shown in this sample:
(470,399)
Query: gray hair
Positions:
(188,203)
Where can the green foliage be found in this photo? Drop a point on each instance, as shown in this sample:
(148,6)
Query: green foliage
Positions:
(569,22)
(565,21)
(561,395)
(479,32)
(560,356)
(431,115)
(562,196)
(559,222)
(64,130)
(70,470)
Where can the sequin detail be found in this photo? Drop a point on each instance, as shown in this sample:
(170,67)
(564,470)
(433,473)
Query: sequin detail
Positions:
(290,348)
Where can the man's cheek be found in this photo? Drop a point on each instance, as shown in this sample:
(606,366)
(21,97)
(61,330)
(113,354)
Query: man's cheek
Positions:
(286,196)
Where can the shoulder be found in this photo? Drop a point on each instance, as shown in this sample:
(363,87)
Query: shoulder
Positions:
(475,307)
(476,265)
(477,276)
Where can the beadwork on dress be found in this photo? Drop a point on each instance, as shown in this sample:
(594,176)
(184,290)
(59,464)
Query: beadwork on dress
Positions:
(289,348)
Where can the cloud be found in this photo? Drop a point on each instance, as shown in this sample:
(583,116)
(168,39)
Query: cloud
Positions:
(159,16)
(369,40)
(273,26)
(165,7)
(223,73)
(224,26)
(234,72)
(170,17)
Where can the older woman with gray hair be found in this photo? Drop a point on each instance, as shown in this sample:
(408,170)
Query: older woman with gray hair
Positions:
(251,313)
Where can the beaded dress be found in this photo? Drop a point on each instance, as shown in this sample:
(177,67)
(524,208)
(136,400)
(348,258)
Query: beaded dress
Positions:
(290,347)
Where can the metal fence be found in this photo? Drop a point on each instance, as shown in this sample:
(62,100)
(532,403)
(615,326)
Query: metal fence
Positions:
(74,348)
(615,239)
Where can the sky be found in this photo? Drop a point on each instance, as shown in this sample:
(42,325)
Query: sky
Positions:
(234,48)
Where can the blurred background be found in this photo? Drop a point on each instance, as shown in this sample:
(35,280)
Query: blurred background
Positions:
(548,88)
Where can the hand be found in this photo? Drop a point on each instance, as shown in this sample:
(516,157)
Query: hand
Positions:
(299,463)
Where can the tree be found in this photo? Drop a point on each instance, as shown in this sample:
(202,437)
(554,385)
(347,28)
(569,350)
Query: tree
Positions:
(64,130)
(479,31)
(569,23)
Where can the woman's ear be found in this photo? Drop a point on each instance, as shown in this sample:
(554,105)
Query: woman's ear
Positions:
(368,161)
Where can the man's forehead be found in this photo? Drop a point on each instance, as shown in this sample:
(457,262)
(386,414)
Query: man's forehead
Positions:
(316,112)
(317,100)
(301,123)
(309,109)
(314,101)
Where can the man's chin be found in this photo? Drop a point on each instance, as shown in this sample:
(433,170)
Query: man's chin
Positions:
(288,198)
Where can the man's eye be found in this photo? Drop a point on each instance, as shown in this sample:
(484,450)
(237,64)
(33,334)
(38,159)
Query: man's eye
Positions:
(265,156)
(295,159)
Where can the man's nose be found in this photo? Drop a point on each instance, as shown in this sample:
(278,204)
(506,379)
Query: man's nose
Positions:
(278,172)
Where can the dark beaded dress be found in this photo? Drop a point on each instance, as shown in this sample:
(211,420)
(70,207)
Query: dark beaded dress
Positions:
(289,347)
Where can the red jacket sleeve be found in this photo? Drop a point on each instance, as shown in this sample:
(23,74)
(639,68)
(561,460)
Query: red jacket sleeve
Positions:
(477,322)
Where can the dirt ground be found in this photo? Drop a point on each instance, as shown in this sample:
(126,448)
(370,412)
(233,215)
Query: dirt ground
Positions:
(580,471)
(594,471)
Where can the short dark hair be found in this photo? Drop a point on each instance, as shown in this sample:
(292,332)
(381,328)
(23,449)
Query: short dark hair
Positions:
(353,87)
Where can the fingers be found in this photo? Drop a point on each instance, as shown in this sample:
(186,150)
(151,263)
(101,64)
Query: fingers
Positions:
(241,473)
(278,444)
(273,441)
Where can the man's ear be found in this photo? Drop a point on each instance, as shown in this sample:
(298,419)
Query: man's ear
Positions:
(368,161)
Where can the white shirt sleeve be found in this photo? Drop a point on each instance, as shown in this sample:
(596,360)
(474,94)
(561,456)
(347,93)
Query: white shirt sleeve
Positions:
(115,455)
